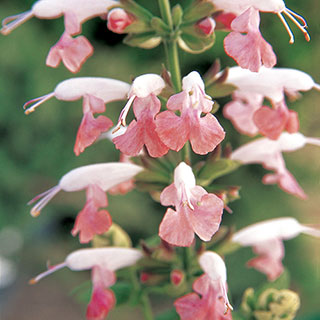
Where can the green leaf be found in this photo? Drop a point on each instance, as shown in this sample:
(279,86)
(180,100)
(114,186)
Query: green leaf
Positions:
(213,170)
(147,40)
(122,291)
(137,10)
(177,14)
(138,26)
(198,10)
(160,26)
(168,315)
(152,176)
(195,44)
(219,90)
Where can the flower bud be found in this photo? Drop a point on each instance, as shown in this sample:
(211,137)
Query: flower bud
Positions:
(206,25)
(118,20)
(176,277)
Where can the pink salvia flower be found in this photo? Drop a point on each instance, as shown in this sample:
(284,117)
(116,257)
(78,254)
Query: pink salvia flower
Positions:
(269,153)
(118,20)
(196,210)
(250,51)
(212,286)
(73,52)
(275,6)
(103,262)
(246,111)
(75,13)
(146,106)
(204,133)
(96,179)
(266,240)
(95,93)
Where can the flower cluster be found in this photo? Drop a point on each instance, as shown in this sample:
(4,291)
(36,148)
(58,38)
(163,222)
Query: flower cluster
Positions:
(173,127)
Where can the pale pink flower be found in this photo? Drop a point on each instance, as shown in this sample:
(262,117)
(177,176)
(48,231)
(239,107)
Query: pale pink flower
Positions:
(269,153)
(204,133)
(142,131)
(96,179)
(75,13)
(103,263)
(206,25)
(73,52)
(266,240)
(95,93)
(247,112)
(249,50)
(197,211)
(274,6)
(118,20)
(212,287)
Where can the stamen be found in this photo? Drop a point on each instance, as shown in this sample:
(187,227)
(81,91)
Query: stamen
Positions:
(47,196)
(314,141)
(12,22)
(40,100)
(123,114)
(303,27)
(48,272)
(286,26)
(302,19)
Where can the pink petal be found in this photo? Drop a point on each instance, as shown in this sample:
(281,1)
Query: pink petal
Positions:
(72,51)
(286,182)
(90,220)
(205,219)
(189,307)
(102,301)
(226,19)
(177,101)
(89,130)
(270,258)
(205,133)
(169,196)
(270,122)
(93,104)
(250,51)
(172,130)
(71,23)
(118,20)
(292,125)
(175,228)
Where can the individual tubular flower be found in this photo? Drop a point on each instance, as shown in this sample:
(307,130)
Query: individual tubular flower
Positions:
(269,153)
(274,6)
(103,263)
(212,286)
(95,179)
(204,133)
(118,20)
(196,210)
(247,112)
(75,13)
(95,93)
(266,240)
(73,52)
(146,106)
(250,51)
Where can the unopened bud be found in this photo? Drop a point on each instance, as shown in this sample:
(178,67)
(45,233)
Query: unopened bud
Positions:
(176,277)
(118,20)
(206,25)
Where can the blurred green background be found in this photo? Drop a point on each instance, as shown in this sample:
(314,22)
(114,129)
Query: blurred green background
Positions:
(37,150)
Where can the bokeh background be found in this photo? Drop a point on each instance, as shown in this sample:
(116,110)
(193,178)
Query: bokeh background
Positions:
(37,150)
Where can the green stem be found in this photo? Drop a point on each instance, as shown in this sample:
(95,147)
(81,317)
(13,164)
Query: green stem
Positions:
(165,11)
(146,307)
(187,255)
(187,153)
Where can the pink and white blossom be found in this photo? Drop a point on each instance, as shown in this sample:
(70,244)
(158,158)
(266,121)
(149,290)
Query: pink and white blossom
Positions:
(269,153)
(96,179)
(103,263)
(197,211)
(266,240)
(212,287)
(75,13)
(142,131)
(204,133)
(247,112)
(95,93)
